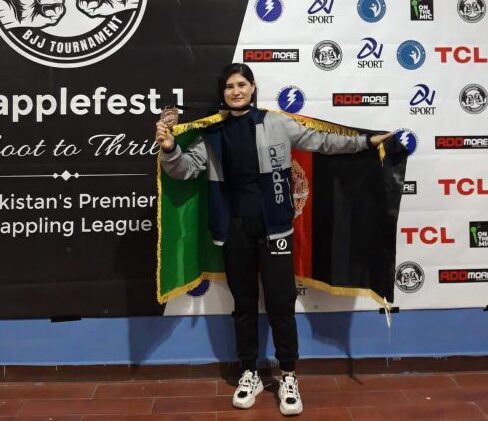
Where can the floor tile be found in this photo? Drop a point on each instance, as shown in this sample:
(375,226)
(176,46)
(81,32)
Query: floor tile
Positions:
(46,390)
(157,389)
(87,406)
(437,412)
(398,382)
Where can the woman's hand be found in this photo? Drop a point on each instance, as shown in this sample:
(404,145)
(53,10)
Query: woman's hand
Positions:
(164,137)
(378,139)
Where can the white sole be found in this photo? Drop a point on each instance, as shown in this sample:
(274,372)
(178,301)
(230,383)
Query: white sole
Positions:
(291,411)
(241,405)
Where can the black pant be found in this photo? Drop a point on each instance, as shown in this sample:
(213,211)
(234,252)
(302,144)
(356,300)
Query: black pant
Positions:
(247,253)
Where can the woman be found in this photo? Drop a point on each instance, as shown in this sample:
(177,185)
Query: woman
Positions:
(248,163)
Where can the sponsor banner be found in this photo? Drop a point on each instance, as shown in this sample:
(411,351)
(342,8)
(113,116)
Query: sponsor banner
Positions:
(83,83)
(478,234)
(460,276)
(360,100)
(461,142)
(271,55)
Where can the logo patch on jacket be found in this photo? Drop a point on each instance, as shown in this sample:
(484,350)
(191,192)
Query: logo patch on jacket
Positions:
(280,246)
(277,159)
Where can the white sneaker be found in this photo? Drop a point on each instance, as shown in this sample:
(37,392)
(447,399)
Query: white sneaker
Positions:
(290,401)
(250,385)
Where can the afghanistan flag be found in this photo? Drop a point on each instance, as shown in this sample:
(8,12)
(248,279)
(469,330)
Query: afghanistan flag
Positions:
(345,224)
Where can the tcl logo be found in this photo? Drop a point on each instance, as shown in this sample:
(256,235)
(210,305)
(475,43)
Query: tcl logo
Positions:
(427,235)
(461,54)
(464,186)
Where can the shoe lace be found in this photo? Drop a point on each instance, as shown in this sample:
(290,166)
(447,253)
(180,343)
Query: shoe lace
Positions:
(290,388)
(246,382)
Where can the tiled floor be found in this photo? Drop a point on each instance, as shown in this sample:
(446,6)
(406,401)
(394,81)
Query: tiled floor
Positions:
(398,397)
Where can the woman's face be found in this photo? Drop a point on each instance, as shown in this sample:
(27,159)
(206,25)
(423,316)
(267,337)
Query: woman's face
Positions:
(238,91)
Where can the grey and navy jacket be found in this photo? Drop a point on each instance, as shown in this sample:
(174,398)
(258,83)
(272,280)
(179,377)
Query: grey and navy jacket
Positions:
(275,135)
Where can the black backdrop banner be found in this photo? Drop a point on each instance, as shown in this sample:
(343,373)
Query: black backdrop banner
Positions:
(78,103)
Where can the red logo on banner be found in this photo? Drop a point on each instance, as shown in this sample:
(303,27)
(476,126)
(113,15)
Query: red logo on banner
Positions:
(427,235)
(461,54)
(464,186)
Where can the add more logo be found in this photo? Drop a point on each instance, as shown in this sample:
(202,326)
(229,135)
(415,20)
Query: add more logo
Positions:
(411,54)
(471,11)
(478,237)
(327,55)
(421,10)
(422,101)
(269,10)
(462,276)
(409,277)
(320,12)
(461,142)
(407,138)
(369,57)
(69,34)
(371,10)
(271,56)
(473,99)
(291,99)
(360,100)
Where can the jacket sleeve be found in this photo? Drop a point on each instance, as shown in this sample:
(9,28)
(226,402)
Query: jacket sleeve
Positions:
(188,164)
(311,140)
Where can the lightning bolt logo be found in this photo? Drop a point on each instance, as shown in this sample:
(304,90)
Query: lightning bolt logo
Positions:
(270,5)
(404,139)
(292,97)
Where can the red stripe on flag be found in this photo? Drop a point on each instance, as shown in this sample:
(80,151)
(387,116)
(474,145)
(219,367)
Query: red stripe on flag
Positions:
(302,177)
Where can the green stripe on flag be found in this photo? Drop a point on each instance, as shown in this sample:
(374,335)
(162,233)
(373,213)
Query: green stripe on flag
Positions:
(186,253)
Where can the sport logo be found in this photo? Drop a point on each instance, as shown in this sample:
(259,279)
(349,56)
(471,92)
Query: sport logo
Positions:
(318,6)
(461,276)
(291,99)
(473,98)
(478,234)
(277,159)
(371,10)
(411,54)
(360,100)
(269,10)
(72,33)
(422,10)
(327,55)
(271,56)
(423,96)
(471,10)
(407,138)
(461,142)
(372,51)
(409,277)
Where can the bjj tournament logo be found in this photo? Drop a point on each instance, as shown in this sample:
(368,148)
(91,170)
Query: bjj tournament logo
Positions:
(327,55)
(409,277)
(471,10)
(473,98)
(69,33)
